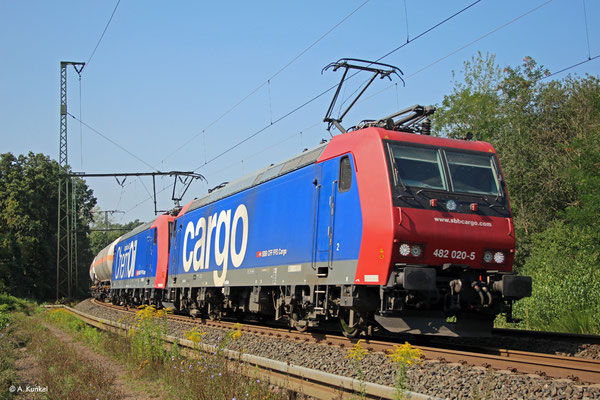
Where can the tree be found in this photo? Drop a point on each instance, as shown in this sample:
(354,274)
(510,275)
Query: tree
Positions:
(104,233)
(538,128)
(474,105)
(28,224)
(547,136)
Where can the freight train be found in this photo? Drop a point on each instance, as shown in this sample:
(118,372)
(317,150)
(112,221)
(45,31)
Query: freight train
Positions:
(376,229)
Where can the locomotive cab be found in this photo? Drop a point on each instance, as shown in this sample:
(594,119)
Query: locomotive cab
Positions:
(453,243)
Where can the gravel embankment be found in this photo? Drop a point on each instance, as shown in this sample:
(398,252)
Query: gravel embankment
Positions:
(446,380)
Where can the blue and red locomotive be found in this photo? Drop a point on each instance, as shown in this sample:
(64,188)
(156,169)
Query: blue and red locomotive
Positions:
(379,228)
(375,228)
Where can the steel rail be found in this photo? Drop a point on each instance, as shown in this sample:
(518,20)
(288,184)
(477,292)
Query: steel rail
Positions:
(560,336)
(309,382)
(575,368)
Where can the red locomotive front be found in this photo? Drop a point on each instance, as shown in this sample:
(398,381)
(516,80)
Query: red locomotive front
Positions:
(438,239)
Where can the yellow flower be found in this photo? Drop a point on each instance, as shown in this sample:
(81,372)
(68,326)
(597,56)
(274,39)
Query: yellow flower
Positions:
(357,352)
(406,354)
(149,312)
(194,335)
(237,331)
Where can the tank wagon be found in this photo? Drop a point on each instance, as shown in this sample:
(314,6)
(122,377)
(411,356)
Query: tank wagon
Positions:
(100,271)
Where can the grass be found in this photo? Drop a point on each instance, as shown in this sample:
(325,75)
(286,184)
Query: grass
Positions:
(67,374)
(12,338)
(144,357)
(59,368)
(575,321)
(8,355)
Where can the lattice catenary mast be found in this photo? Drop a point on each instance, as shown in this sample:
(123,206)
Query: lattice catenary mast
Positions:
(66,237)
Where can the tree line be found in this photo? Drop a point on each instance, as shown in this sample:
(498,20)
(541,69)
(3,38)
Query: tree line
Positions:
(547,136)
(28,227)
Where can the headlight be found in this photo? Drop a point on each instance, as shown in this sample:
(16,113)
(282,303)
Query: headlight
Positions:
(412,250)
(499,257)
(450,205)
(487,256)
(404,249)
(416,251)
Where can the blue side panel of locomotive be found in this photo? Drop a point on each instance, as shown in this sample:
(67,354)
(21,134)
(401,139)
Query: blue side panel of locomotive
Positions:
(135,257)
(286,221)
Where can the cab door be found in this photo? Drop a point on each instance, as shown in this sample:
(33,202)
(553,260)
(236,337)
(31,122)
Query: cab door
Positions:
(325,200)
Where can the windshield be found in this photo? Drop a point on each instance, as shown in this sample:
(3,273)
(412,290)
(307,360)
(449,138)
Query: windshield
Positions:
(419,167)
(424,168)
(471,173)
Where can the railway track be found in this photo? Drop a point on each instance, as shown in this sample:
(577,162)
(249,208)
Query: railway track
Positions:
(555,366)
(560,336)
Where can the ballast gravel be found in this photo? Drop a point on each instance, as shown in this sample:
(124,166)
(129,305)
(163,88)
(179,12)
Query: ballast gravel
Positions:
(434,378)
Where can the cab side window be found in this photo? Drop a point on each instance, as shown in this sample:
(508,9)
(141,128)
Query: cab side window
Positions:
(345,174)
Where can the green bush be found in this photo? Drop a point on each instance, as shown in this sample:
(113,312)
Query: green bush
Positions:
(12,303)
(8,305)
(565,267)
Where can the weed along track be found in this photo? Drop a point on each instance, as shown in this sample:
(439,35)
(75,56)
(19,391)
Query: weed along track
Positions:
(449,369)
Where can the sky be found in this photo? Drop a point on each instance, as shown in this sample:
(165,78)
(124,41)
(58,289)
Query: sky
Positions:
(173,85)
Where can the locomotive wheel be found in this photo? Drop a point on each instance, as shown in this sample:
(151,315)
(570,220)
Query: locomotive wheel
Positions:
(300,326)
(298,322)
(350,331)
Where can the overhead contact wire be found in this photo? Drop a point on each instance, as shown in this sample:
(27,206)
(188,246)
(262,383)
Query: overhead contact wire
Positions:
(332,87)
(265,127)
(267,82)
(587,33)
(111,141)
(481,37)
(572,66)
(305,103)
(102,36)
(463,47)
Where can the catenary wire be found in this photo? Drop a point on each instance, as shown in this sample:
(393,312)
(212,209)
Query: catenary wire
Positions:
(101,36)
(265,127)
(572,66)
(111,141)
(267,82)
(329,89)
(459,49)
(587,33)
(305,103)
